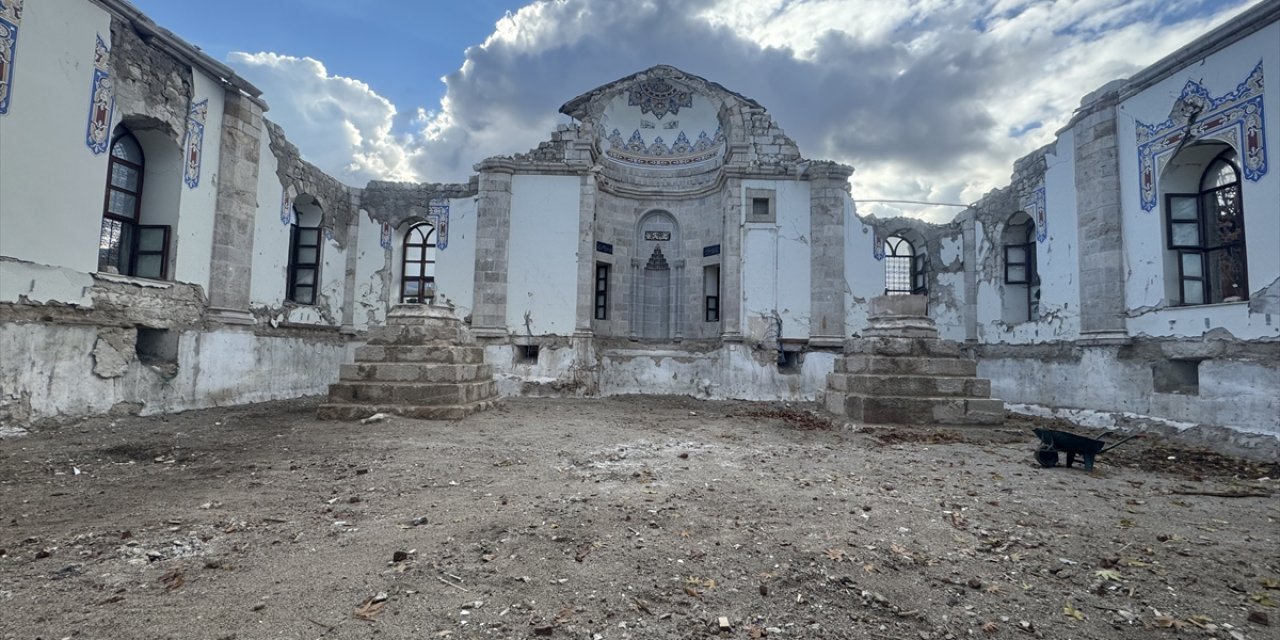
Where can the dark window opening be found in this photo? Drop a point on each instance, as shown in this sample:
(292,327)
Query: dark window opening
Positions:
(1176,376)
(1020,265)
(304,264)
(526,353)
(157,347)
(418,265)
(711,293)
(602,291)
(125,246)
(1205,232)
(760,208)
(789,361)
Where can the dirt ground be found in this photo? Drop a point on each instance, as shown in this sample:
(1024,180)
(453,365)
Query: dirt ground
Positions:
(620,518)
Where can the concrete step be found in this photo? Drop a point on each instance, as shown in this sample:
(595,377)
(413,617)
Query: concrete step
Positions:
(418,320)
(412,393)
(469,354)
(910,386)
(418,334)
(413,372)
(921,411)
(434,412)
(898,346)
(906,365)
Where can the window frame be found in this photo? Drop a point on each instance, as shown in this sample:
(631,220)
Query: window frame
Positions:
(711,301)
(295,267)
(131,227)
(1201,249)
(428,242)
(917,267)
(601,297)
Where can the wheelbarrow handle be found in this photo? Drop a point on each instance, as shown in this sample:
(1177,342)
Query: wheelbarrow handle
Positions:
(1136,435)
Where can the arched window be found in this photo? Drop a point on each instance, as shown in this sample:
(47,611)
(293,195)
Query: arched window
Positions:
(1021,278)
(1205,232)
(418,266)
(125,246)
(305,250)
(904,268)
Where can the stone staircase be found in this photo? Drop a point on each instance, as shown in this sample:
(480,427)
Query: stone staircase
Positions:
(422,363)
(900,372)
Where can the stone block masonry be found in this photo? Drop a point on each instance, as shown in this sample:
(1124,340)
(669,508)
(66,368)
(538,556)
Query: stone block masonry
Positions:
(899,372)
(421,364)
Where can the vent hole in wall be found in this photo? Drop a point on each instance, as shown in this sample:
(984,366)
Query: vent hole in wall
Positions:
(1176,376)
(526,353)
(157,347)
(789,361)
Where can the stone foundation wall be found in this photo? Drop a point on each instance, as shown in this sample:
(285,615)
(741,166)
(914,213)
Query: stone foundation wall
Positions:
(1225,386)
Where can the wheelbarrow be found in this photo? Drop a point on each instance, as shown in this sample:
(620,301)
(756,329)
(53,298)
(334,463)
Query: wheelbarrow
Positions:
(1052,442)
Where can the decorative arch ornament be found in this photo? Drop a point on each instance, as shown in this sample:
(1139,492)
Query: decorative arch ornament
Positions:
(1034,204)
(10,18)
(102,101)
(193,144)
(1235,118)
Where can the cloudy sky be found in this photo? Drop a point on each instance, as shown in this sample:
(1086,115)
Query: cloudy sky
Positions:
(928,99)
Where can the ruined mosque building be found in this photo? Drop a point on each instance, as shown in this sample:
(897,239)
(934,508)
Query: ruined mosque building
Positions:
(164,247)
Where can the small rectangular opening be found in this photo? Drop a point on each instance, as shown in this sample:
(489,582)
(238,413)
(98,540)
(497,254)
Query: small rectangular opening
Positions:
(760,208)
(157,347)
(1176,376)
(711,293)
(526,353)
(602,291)
(789,361)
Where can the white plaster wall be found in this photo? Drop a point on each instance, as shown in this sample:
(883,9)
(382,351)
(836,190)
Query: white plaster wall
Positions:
(40,284)
(333,277)
(193,235)
(863,274)
(731,372)
(456,264)
(1233,394)
(1057,261)
(776,272)
(270,237)
(947,310)
(51,184)
(372,261)
(50,367)
(1145,291)
(542,255)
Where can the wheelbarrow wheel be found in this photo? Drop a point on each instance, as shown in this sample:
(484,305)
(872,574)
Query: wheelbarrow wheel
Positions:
(1047,458)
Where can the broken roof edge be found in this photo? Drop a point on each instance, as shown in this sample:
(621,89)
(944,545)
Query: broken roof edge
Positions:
(575,108)
(1239,27)
(182,49)
(1244,24)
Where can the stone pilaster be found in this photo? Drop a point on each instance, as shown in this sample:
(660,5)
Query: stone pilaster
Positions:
(586,256)
(970,233)
(237,203)
(731,264)
(828,190)
(353,253)
(493,224)
(1098,205)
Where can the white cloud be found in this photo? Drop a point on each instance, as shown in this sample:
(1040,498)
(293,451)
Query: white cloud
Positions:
(338,123)
(928,99)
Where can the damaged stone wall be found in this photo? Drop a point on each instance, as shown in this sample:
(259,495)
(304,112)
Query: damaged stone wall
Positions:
(144,346)
(339,202)
(149,84)
(944,246)
(397,202)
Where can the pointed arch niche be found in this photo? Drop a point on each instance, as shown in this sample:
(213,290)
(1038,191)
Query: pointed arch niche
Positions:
(658,271)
